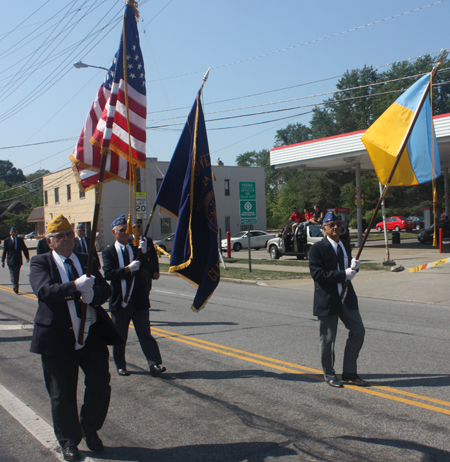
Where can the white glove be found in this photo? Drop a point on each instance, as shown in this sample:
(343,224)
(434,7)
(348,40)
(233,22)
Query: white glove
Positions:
(350,273)
(355,264)
(87,297)
(143,245)
(84,283)
(134,266)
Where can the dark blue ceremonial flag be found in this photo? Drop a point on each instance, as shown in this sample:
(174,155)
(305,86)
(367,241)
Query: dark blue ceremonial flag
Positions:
(187,194)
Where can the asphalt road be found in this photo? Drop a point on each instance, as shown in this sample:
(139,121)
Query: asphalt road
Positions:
(243,383)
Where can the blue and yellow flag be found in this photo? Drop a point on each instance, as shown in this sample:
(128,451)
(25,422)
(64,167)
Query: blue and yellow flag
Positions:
(419,162)
(187,194)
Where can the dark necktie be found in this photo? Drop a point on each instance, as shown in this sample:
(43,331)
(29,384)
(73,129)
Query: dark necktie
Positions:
(340,257)
(126,257)
(83,246)
(73,275)
(126,262)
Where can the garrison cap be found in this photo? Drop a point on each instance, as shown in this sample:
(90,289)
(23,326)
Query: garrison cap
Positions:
(330,216)
(60,223)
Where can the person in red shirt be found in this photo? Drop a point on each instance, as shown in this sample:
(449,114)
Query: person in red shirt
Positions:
(307,214)
(296,218)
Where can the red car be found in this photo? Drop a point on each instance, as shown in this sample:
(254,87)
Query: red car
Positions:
(396,224)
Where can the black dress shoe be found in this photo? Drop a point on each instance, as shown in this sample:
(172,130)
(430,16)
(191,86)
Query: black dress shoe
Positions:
(93,442)
(16,291)
(354,379)
(335,382)
(123,372)
(156,369)
(71,453)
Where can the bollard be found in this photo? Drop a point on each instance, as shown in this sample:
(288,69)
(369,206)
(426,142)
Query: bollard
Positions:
(228,244)
(441,235)
(396,238)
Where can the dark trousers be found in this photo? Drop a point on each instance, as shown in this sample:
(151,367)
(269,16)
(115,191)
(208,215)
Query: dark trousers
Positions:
(14,273)
(328,330)
(61,379)
(141,320)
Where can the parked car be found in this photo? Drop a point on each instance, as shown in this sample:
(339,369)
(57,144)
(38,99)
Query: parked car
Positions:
(426,235)
(298,244)
(30,235)
(165,242)
(396,224)
(239,240)
(419,222)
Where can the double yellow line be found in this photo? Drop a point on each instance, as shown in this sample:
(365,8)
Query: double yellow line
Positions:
(393,394)
(386,392)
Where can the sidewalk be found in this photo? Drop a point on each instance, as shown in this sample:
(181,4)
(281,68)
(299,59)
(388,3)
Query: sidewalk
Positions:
(427,286)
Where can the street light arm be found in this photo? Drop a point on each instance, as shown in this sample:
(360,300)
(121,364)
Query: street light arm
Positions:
(81,65)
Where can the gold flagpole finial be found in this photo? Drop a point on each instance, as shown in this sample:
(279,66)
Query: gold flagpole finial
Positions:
(134,5)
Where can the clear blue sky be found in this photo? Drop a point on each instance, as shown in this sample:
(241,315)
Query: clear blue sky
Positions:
(251,46)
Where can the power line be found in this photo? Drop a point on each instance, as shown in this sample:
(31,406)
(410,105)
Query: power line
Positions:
(305,43)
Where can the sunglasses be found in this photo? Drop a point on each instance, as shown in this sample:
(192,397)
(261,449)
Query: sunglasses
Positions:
(333,224)
(121,230)
(66,235)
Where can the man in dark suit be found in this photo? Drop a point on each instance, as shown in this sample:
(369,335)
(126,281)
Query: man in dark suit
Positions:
(82,243)
(42,246)
(119,263)
(331,266)
(59,281)
(13,247)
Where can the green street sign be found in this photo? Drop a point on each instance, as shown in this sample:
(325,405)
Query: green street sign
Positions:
(247,203)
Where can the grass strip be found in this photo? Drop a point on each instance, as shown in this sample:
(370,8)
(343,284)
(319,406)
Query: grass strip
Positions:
(255,275)
(299,263)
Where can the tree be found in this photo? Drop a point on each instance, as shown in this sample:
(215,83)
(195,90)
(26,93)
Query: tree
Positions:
(292,134)
(19,221)
(9,174)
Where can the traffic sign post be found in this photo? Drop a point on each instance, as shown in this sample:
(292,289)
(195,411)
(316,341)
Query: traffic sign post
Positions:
(141,205)
(247,209)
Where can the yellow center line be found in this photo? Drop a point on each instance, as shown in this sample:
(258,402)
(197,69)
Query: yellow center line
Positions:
(291,367)
(31,296)
(266,361)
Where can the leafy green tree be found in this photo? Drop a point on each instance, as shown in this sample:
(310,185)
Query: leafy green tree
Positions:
(292,134)
(10,174)
(19,221)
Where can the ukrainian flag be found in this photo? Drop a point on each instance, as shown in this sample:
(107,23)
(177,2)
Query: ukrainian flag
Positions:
(385,136)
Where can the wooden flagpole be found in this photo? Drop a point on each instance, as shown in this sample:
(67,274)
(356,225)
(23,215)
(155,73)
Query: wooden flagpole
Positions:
(150,218)
(397,161)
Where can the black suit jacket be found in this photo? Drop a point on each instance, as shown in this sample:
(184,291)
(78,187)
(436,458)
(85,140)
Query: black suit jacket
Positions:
(53,333)
(323,267)
(12,255)
(78,248)
(42,246)
(115,274)
(153,261)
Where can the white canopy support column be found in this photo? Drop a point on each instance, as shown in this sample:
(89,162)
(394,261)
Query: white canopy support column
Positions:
(358,202)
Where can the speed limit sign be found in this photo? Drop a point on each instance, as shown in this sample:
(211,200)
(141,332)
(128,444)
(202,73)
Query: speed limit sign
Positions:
(141,205)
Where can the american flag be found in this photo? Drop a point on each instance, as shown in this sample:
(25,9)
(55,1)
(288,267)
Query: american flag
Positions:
(106,127)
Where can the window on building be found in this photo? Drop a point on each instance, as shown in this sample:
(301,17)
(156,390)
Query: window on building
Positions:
(227,224)
(166,225)
(158,184)
(82,194)
(56,195)
(227,187)
(45,197)
(246,227)
(69,193)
